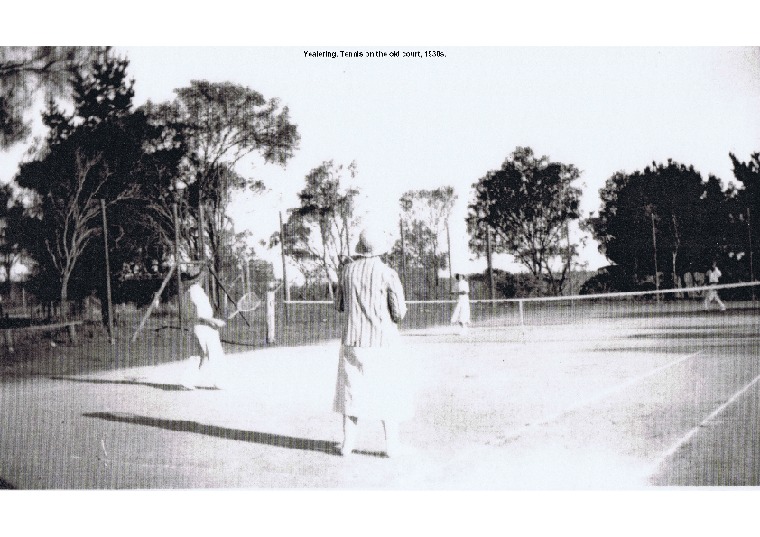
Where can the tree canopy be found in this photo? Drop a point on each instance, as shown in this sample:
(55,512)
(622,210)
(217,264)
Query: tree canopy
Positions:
(425,215)
(526,205)
(746,208)
(221,123)
(667,216)
(11,232)
(24,72)
(105,151)
(320,230)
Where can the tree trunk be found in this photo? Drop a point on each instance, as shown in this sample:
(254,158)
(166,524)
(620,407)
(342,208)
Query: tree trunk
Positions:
(676,279)
(323,235)
(435,264)
(329,282)
(8,283)
(65,297)
(65,305)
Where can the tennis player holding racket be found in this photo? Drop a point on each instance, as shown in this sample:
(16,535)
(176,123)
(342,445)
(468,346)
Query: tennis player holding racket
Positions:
(202,370)
(371,376)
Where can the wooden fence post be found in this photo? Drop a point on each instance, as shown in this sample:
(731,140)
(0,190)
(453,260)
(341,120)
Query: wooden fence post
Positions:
(270,307)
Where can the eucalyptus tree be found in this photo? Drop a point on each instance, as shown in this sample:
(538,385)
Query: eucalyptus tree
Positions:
(745,213)
(221,123)
(320,230)
(527,205)
(664,218)
(104,152)
(11,232)
(425,216)
(25,72)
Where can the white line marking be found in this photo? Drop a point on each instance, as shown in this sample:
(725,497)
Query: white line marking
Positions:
(685,438)
(617,388)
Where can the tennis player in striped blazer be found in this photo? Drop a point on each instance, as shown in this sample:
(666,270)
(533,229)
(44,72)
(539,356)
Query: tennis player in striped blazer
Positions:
(371,372)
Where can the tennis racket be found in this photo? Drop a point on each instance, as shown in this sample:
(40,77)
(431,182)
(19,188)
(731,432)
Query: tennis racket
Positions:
(248,302)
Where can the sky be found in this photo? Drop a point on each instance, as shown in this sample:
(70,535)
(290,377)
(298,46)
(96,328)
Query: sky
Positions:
(422,123)
(414,123)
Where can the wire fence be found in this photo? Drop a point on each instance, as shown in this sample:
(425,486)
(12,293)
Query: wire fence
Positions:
(308,322)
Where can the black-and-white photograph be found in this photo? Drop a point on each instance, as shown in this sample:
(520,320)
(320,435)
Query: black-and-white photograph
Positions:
(379,268)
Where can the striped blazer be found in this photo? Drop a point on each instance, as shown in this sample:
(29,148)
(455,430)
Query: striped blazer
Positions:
(367,288)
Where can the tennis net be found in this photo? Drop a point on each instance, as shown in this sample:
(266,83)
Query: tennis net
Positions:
(552,317)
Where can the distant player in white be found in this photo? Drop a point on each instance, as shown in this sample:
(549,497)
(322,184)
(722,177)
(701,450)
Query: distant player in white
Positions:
(713,276)
(461,315)
(201,368)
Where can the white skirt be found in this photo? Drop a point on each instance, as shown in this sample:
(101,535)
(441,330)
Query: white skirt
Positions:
(374,383)
(462,311)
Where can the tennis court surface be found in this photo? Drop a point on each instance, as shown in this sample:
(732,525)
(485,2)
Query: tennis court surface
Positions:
(647,395)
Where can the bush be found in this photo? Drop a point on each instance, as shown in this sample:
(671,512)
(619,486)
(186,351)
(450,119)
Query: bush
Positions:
(609,279)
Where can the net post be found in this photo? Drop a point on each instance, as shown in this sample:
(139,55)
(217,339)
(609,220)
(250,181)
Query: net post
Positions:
(206,282)
(271,335)
(284,269)
(175,219)
(109,302)
(751,266)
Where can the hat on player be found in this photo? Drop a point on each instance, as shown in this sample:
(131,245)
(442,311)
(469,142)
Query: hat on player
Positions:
(373,241)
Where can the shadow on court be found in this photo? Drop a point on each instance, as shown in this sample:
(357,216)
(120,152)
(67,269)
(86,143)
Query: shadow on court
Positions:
(158,386)
(274,440)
